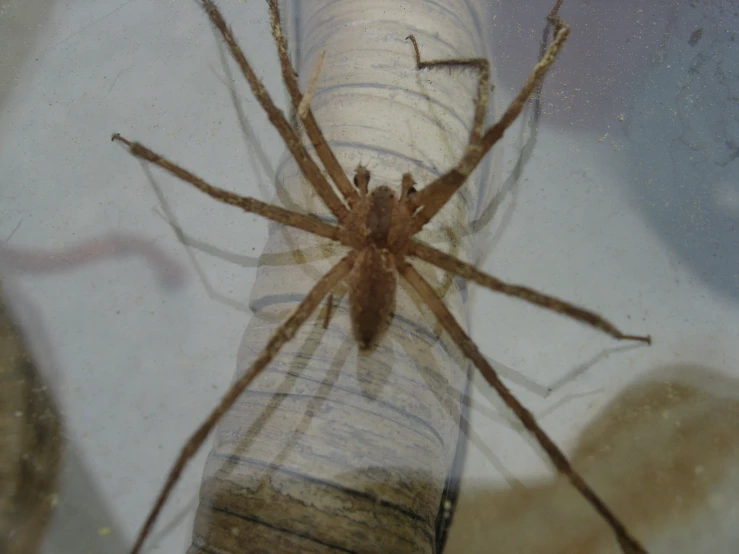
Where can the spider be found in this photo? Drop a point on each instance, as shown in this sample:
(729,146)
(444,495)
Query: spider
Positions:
(378,226)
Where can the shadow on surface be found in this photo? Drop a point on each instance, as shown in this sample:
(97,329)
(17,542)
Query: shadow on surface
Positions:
(662,454)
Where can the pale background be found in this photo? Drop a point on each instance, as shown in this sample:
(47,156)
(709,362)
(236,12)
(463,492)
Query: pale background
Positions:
(629,206)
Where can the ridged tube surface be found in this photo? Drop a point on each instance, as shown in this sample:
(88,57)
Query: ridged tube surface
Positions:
(329,450)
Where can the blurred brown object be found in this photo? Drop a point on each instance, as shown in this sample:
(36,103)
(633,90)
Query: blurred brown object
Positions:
(114,246)
(664,454)
(30,443)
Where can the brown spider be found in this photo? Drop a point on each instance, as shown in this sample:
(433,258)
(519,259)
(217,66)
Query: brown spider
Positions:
(378,226)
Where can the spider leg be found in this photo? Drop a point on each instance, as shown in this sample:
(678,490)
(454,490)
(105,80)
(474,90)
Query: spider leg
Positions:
(470,350)
(275,213)
(482,66)
(283,334)
(309,168)
(471,273)
(526,150)
(310,91)
(437,193)
(316,136)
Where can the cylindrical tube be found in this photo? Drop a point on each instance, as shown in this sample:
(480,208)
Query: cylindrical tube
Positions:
(330,450)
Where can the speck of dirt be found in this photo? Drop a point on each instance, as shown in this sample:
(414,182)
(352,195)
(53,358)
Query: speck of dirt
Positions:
(695,36)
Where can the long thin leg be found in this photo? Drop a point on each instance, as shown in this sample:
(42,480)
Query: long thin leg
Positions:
(275,213)
(482,66)
(316,136)
(283,334)
(527,148)
(310,169)
(437,193)
(471,273)
(560,461)
(310,91)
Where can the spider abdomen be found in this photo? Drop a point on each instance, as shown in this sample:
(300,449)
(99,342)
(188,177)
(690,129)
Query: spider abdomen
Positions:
(372,284)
